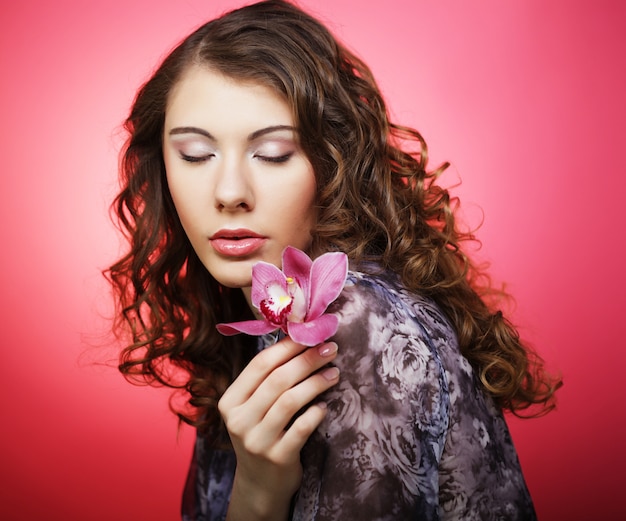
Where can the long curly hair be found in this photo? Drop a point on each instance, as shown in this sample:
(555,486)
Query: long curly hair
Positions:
(376,200)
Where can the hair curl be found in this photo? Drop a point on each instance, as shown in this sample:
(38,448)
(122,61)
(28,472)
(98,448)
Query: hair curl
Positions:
(377,202)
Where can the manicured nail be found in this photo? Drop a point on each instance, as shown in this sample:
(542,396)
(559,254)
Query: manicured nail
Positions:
(327,349)
(332,373)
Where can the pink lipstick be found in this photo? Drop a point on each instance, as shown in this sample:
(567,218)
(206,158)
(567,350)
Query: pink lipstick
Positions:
(236,243)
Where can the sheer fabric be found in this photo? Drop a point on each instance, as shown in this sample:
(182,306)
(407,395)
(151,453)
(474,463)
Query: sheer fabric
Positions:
(408,434)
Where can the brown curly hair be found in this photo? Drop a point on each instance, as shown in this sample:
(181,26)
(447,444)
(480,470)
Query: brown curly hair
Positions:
(376,202)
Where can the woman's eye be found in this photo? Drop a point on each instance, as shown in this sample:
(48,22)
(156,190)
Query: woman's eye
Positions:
(194,150)
(275,159)
(195,159)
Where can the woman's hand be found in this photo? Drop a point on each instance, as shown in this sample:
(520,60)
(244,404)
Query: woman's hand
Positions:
(259,409)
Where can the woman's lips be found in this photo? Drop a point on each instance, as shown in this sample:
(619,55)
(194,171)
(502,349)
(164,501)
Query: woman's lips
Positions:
(236,243)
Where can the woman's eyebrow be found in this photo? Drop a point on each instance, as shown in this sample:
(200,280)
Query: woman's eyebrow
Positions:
(256,134)
(191,130)
(267,130)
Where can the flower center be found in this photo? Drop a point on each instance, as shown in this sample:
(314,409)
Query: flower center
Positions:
(277,306)
(298,307)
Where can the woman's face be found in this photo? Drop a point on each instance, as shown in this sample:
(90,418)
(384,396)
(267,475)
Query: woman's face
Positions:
(242,186)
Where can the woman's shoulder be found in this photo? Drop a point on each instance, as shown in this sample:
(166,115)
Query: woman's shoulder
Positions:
(390,342)
(401,343)
(379,294)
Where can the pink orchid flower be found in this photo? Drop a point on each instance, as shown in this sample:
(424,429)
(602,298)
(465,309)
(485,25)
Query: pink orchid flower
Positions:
(295,298)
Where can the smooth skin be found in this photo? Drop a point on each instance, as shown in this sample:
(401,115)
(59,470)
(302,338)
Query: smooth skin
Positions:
(233,162)
(257,409)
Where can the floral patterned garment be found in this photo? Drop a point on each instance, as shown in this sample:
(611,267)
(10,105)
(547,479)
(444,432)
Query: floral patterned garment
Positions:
(408,434)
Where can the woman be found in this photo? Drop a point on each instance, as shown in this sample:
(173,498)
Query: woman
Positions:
(260,132)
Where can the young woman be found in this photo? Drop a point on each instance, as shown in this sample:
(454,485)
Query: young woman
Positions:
(261,132)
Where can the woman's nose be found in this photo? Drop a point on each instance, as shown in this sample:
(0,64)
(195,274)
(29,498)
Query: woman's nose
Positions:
(233,189)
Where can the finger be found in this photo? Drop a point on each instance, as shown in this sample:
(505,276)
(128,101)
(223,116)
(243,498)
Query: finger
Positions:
(258,369)
(291,373)
(290,405)
(300,431)
(291,385)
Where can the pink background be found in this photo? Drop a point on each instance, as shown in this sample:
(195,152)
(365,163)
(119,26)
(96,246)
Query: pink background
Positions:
(525,98)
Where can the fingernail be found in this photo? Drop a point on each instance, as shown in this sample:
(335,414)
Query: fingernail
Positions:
(327,349)
(332,373)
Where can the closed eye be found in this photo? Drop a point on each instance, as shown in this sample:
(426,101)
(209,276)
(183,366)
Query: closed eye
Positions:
(195,159)
(275,159)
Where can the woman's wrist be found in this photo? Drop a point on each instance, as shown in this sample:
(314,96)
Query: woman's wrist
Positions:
(250,501)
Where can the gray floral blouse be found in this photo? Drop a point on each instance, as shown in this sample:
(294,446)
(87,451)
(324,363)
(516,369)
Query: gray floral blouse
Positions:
(408,434)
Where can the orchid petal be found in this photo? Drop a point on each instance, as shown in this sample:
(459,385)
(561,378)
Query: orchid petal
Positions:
(263,274)
(315,331)
(250,327)
(297,265)
(299,304)
(328,277)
